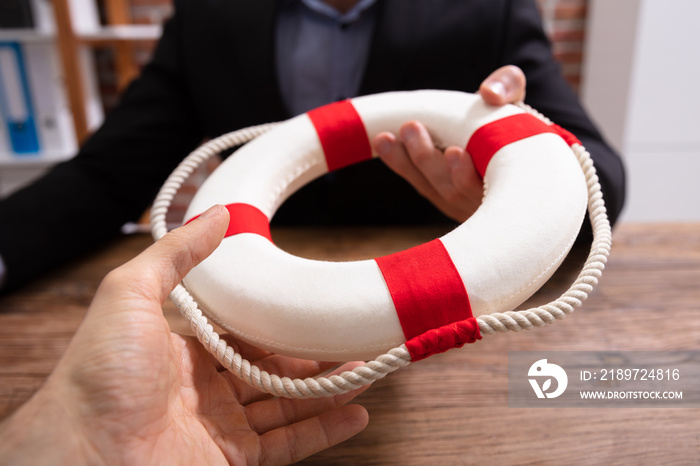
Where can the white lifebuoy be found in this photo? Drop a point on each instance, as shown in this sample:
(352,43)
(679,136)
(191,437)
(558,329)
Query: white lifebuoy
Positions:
(534,204)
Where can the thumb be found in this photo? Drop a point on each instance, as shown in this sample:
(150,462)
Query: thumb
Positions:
(506,85)
(179,251)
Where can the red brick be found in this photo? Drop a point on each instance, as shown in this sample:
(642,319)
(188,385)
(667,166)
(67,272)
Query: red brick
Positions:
(151,2)
(569,56)
(570,10)
(568,35)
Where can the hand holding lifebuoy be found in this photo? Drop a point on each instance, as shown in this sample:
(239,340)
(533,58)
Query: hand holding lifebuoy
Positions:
(446,176)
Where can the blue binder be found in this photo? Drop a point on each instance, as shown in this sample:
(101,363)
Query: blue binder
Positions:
(16,106)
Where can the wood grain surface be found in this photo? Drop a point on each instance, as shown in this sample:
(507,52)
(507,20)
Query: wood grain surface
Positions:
(450,408)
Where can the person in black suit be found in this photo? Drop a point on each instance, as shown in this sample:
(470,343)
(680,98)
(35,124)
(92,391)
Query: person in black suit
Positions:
(218,68)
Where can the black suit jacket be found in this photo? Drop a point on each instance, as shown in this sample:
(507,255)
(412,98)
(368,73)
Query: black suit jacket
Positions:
(213,72)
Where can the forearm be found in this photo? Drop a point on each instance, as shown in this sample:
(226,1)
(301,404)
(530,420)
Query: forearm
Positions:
(44,431)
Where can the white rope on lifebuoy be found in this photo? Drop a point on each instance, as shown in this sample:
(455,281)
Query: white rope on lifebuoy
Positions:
(399,356)
(212,148)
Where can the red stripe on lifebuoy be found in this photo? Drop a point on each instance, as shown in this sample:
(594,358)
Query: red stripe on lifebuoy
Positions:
(569,137)
(491,137)
(342,133)
(426,288)
(441,339)
(246,218)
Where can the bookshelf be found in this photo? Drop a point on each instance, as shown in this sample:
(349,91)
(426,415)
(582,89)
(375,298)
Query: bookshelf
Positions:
(56,54)
(79,31)
(33,105)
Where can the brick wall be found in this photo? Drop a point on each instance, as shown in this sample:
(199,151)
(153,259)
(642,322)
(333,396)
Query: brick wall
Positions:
(565,23)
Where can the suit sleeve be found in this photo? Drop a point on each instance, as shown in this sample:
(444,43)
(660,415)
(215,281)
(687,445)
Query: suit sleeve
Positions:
(112,180)
(525,44)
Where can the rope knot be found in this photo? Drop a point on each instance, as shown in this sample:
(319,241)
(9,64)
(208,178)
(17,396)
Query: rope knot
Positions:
(439,340)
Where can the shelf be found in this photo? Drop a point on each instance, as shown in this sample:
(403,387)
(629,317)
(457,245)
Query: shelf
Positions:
(41,159)
(26,35)
(67,30)
(122,32)
(57,53)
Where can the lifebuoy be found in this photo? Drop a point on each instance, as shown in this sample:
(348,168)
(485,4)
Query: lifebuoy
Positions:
(534,204)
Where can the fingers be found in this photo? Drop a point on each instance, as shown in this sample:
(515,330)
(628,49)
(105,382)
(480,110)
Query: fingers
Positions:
(295,442)
(426,157)
(448,179)
(394,155)
(506,85)
(293,429)
(163,265)
(393,152)
(246,350)
(283,366)
(465,178)
(266,416)
(274,364)
(269,414)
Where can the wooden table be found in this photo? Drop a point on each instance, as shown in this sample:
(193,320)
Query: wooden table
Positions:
(451,408)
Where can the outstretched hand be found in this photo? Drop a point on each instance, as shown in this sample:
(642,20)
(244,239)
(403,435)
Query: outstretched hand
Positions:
(128,391)
(446,178)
